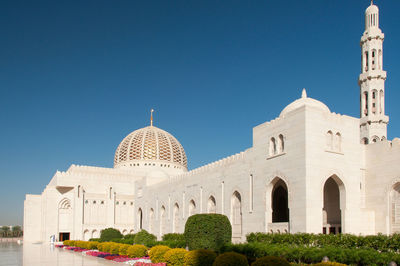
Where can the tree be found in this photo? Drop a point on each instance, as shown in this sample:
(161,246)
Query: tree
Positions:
(6,230)
(16,231)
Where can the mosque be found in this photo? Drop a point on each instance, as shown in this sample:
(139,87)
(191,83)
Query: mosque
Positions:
(309,170)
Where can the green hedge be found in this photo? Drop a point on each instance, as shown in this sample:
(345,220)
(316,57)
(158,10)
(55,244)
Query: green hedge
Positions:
(378,242)
(144,238)
(302,254)
(110,233)
(173,237)
(208,231)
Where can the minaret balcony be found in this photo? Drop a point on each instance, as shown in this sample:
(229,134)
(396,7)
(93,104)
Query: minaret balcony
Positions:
(373,74)
(374,118)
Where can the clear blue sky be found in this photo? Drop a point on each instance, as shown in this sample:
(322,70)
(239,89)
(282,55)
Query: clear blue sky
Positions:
(77,76)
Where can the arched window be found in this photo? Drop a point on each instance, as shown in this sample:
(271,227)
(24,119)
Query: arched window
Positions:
(176,218)
(364,141)
(375,139)
(374,101)
(140,219)
(383,138)
(380,59)
(365,112)
(272,147)
(281,143)
(211,205)
(236,215)
(338,142)
(329,140)
(374,55)
(366,61)
(151,220)
(192,208)
(162,220)
(381,102)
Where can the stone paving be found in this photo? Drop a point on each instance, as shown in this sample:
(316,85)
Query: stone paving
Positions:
(12,254)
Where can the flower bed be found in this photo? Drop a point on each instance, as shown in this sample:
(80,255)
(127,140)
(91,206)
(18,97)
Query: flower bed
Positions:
(145,261)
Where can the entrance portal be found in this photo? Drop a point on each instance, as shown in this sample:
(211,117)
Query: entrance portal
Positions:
(331,213)
(63,237)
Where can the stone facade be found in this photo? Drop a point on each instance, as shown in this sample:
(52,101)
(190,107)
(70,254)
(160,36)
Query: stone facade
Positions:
(309,170)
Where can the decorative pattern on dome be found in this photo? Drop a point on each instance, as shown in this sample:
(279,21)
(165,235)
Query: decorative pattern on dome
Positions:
(150,143)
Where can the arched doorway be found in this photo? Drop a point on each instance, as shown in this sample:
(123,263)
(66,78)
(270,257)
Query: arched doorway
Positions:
(140,219)
(65,219)
(395,209)
(176,218)
(280,206)
(236,216)
(95,234)
(192,208)
(211,205)
(151,220)
(333,203)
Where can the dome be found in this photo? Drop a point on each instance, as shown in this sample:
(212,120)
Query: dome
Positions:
(150,144)
(372,9)
(304,100)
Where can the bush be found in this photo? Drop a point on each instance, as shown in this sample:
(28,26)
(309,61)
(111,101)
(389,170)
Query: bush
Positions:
(200,257)
(301,254)
(170,243)
(123,249)
(271,261)
(173,237)
(175,257)
(114,248)
(207,231)
(95,239)
(70,243)
(231,259)
(137,251)
(329,264)
(144,238)
(110,233)
(156,253)
(378,242)
(129,236)
(105,246)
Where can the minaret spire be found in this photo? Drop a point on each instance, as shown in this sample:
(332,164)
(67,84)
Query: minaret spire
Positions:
(151,117)
(373,121)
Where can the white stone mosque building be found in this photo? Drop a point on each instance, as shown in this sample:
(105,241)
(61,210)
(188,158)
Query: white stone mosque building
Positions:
(309,170)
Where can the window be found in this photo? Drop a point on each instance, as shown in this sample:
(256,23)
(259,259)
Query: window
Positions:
(272,147)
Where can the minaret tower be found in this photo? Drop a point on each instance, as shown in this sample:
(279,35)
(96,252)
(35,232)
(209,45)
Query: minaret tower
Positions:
(373,121)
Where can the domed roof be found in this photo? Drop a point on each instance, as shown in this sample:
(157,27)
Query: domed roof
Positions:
(304,100)
(150,144)
(372,9)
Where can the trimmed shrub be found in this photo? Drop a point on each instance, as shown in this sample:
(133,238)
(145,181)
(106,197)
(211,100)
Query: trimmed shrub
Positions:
(200,257)
(105,246)
(129,236)
(231,259)
(170,243)
(70,243)
(156,253)
(207,231)
(143,237)
(110,233)
(328,263)
(175,257)
(123,249)
(114,248)
(271,261)
(136,251)
(95,239)
(173,237)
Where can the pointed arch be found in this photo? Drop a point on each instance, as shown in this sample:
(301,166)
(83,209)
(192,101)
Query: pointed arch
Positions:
(334,202)
(176,219)
(163,216)
(140,219)
(211,205)
(151,220)
(280,202)
(192,207)
(236,215)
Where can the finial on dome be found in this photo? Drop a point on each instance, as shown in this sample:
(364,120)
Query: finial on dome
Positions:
(304,93)
(151,117)
(372,2)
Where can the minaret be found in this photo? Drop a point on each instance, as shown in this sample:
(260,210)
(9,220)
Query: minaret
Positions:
(373,121)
